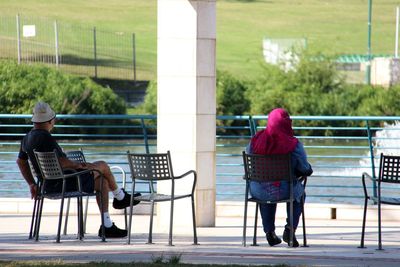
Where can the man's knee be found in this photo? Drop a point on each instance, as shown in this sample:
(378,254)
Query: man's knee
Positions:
(101,163)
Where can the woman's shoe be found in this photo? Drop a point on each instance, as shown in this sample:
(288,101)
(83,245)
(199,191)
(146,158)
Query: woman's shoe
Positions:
(286,237)
(273,239)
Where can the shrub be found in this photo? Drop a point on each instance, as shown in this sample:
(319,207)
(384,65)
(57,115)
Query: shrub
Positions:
(149,105)
(231,92)
(23,85)
(304,90)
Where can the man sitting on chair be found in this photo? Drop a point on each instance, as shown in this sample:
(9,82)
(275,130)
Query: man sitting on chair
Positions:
(40,139)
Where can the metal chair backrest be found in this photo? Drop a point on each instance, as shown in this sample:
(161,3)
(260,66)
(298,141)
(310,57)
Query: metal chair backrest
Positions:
(33,171)
(49,165)
(151,167)
(267,168)
(389,170)
(76,155)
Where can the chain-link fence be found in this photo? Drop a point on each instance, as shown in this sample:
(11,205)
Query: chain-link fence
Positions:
(74,49)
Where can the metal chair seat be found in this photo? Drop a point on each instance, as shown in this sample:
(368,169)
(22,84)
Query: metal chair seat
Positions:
(387,200)
(251,199)
(159,197)
(71,194)
(152,168)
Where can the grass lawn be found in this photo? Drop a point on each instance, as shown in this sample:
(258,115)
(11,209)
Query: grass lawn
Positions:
(331,27)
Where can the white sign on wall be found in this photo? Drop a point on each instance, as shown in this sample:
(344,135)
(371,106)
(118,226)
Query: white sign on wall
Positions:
(29,30)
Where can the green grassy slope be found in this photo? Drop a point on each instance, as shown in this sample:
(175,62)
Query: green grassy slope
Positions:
(338,26)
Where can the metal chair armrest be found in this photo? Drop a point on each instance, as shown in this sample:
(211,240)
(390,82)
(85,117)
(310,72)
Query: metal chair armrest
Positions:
(76,173)
(123,174)
(194,178)
(363,183)
(368,176)
(185,174)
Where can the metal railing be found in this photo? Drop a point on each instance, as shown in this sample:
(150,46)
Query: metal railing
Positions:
(339,148)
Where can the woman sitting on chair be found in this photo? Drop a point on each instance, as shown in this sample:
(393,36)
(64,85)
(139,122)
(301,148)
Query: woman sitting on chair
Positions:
(278,138)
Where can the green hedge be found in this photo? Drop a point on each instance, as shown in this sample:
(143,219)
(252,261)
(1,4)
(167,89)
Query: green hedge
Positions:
(21,86)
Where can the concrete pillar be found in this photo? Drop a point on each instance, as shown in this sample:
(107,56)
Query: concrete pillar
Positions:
(187,104)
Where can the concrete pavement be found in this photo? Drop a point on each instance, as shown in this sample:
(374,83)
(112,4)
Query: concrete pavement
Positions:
(332,242)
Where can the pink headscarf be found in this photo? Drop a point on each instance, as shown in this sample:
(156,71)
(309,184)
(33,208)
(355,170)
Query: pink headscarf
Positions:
(278,137)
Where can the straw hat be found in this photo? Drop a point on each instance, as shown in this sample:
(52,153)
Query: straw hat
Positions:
(42,112)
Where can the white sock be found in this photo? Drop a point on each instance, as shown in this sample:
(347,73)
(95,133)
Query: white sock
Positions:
(118,194)
(107,220)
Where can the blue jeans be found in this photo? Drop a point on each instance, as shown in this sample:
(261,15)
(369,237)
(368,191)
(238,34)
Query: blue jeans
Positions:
(269,192)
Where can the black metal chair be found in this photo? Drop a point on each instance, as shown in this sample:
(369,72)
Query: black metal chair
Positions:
(50,169)
(269,168)
(153,168)
(389,173)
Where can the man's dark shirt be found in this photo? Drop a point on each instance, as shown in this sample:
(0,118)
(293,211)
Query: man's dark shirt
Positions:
(41,141)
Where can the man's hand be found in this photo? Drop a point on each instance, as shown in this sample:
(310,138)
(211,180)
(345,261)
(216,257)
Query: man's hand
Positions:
(88,165)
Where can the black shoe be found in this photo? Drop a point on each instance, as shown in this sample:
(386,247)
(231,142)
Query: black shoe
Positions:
(113,232)
(273,239)
(286,237)
(126,201)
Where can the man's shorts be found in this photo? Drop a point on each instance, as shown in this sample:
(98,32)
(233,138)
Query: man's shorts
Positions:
(87,184)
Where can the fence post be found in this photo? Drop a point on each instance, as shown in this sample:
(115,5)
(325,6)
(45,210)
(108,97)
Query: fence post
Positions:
(56,42)
(134,57)
(146,140)
(18,40)
(372,158)
(252,125)
(95,52)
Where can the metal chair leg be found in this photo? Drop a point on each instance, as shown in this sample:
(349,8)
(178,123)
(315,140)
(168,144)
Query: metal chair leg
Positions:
(66,217)
(60,221)
(291,224)
(194,222)
(38,219)
(363,224)
(244,223)
(130,213)
(85,217)
(379,226)
(130,217)
(171,219)
(150,238)
(303,218)
(34,215)
(80,219)
(255,226)
(103,230)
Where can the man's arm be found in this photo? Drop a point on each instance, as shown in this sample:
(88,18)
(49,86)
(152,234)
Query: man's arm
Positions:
(25,170)
(69,164)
